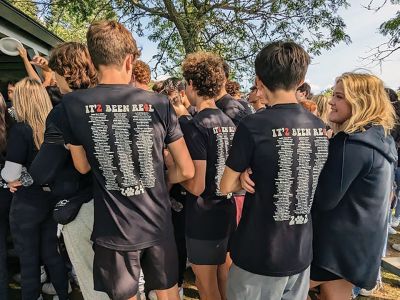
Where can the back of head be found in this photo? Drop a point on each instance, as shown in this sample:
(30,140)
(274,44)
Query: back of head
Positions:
(141,72)
(157,87)
(233,88)
(306,89)
(282,65)
(109,43)
(206,72)
(171,84)
(32,105)
(370,105)
(309,105)
(227,70)
(72,61)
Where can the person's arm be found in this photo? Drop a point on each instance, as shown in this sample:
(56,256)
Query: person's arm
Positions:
(182,167)
(28,67)
(344,164)
(197,184)
(79,158)
(238,161)
(230,181)
(53,149)
(43,64)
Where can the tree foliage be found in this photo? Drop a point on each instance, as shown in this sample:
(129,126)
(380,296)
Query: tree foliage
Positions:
(235,29)
(390,29)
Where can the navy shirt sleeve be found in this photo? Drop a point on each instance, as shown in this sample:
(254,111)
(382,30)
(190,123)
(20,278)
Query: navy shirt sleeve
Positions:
(65,127)
(174,132)
(195,141)
(17,145)
(241,152)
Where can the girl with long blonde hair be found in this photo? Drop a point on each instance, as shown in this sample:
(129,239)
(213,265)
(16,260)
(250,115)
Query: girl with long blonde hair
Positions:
(32,227)
(323,108)
(352,196)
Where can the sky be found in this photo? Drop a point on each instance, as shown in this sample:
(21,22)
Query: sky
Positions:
(362,27)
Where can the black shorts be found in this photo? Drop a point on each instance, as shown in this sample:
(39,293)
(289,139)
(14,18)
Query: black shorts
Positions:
(117,272)
(207,252)
(321,274)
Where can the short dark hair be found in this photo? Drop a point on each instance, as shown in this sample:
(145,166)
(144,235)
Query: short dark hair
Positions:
(282,65)
(227,69)
(305,87)
(109,42)
(206,72)
(157,86)
(393,97)
(12,82)
(173,84)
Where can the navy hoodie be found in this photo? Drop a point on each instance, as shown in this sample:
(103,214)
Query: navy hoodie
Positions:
(351,205)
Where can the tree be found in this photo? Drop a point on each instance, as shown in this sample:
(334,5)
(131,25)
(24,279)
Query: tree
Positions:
(235,29)
(390,29)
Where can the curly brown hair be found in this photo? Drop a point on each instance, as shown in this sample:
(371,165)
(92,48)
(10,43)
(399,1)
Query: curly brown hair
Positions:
(206,72)
(232,88)
(141,72)
(71,60)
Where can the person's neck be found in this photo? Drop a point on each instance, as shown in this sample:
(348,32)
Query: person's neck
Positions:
(221,94)
(113,75)
(205,103)
(281,97)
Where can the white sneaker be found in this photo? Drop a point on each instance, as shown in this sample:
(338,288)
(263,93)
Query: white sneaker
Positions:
(43,276)
(396,247)
(40,297)
(395,222)
(367,293)
(392,231)
(49,289)
(153,295)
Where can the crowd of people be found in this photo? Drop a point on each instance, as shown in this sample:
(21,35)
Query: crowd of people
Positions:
(276,195)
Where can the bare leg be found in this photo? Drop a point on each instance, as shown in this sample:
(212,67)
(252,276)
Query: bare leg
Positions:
(133,298)
(206,275)
(223,271)
(169,294)
(336,290)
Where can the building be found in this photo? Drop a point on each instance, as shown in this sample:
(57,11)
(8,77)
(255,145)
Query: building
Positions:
(36,39)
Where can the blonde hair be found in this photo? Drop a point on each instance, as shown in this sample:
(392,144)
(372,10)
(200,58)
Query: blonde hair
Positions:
(370,104)
(323,107)
(32,105)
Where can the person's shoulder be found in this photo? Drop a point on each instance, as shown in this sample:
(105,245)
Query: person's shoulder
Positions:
(21,128)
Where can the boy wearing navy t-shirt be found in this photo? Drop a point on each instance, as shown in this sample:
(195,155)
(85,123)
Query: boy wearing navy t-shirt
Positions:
(285,148)
(119,132)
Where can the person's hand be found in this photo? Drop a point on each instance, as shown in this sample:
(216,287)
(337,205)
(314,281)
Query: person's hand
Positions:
(13,185)
(246,183)
(41,62)
(22,52)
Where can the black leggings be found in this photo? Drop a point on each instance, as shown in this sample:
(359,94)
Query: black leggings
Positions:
(5,200)
(35,238)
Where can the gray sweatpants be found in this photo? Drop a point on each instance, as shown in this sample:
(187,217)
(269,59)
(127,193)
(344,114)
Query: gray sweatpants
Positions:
(79,247)
(243,285)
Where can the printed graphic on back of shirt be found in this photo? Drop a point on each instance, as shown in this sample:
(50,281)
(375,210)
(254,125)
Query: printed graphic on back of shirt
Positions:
(224,137)
(302,153)
(129,129)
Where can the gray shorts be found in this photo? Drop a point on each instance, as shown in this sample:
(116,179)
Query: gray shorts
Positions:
(243,285)
(205,252)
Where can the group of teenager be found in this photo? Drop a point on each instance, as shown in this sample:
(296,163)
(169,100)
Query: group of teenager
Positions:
(257,195)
